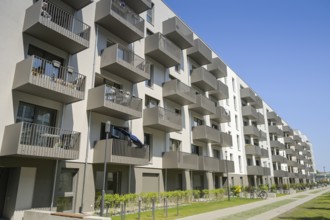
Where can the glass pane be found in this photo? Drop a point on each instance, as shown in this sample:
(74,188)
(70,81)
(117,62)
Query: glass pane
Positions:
(66,181)
(25,112)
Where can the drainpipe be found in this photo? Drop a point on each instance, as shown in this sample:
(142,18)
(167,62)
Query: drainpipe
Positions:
(89,124)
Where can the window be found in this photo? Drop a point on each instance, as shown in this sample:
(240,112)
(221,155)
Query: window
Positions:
(150,14)
(66,190)
(36,114)
(114,132)
(231,157)
(249,161)
(196,150)
(175,145)
(148,142)
(240,163)
(216,154)
(236,122)
(235,103)
(215,126)
(112,84)
(234,84)
(197,122)
(238,142)
(150,102)
(150,82)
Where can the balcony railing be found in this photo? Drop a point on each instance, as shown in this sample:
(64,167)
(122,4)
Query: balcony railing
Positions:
(40,141)
(206,134)
(204,80)
(249,112)
(217,68)
(121,152)
(221,115)
(120,19)
(175,30)
(162,119)
(203,105)
(114,102)
(56,26)
(180,160)
(200,53)
(208,163)
(123,62)
(162,50)
(248,94)
(277,144)
(48,79)
(179,92)
(221,92)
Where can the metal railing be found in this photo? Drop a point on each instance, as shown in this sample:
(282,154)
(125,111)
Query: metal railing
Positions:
(131,58)
(121,9)
(121,97)
(52,13)
(50,137)
(124,148)
(165,114)
(169,46)
(51,71)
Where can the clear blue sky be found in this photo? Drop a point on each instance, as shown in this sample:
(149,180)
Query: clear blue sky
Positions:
(281,49)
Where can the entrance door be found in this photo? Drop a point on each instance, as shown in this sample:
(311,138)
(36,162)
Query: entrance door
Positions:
(150,182)
(4,173)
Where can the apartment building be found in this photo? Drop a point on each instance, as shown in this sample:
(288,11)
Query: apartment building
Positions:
(180,117)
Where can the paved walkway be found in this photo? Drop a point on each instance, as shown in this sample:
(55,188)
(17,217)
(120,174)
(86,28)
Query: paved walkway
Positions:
(221,213)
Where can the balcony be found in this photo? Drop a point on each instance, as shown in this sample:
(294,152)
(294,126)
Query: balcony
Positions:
(180,160)
(202,79)
(249,112)
(120,152)
(109,101)
(292,163)
(40,141)
(260,118)
(252,150)
(203,106)
(297,138)
(47,79)
(280,173)
(120,20)
(252,131)
(226,140)
(291,175)
(139,6)
(208,164)
(264,153)
(248,95)
(124,63)
(279,159)
(274,117)
(257,170)
(162,50)
(206,134)
(200,53)
(221,92)
(162,119)
(273,129)
(277,144)
(179,92)
(257,103)
(221,115)
(288,140)
(217,68)
(78,4)
(289,151)
(55,26)
(175,30)
(288,130)
(226,163)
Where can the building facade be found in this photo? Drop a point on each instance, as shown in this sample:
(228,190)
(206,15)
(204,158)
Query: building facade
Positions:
(180,117)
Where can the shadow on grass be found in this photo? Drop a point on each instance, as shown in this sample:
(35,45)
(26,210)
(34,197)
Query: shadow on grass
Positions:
(316,208)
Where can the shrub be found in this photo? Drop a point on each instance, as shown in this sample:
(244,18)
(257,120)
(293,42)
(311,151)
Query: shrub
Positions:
(236,190)
(263,187)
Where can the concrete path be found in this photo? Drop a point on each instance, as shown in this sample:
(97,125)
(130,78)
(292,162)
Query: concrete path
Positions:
(221,213)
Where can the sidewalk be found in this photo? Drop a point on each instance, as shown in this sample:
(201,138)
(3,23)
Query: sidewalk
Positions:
(221,213)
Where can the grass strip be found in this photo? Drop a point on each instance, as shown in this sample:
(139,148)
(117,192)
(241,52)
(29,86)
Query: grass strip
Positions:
(188,210)
(257,211)
(318,208)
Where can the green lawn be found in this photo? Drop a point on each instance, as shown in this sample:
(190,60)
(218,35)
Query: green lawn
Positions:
(318,208)
(257,211)
(188,210)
